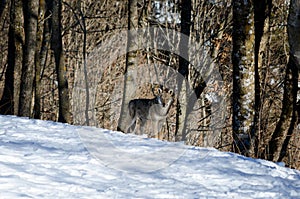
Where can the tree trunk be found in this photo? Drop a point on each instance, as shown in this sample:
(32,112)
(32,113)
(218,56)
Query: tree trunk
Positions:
(82,23)
(262,44)
(262,11)
(133,24)
(294,29)
(40,57)
(243,75)
(287,122)
(10,98)
(2,6)
(57,47)
(30,9)
(182,103)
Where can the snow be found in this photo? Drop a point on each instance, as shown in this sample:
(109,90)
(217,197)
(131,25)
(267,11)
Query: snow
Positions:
(43,159)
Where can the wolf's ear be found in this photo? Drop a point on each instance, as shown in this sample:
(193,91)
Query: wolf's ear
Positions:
(171,92)
(159,91)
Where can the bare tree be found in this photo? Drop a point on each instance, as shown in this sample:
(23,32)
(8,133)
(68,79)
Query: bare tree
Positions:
(288,119)
(243,38)
(10,98)
(133,23)
(2,6)
(57,47)
(262,11)
(41,50)
(182,104)
(31,8)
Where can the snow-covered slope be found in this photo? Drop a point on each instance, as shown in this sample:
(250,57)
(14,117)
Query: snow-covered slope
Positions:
(41,159)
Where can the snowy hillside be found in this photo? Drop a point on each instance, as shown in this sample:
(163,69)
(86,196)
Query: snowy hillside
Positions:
(41,159)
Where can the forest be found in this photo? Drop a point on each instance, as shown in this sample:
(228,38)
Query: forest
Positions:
(226,71)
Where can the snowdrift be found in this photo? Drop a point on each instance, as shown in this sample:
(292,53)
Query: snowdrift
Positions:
(42,159)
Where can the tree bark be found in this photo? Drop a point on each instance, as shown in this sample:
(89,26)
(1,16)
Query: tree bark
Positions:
(133,24)
(287,122)
(182,101)
(2,6)
(243,75)
(262,11)
(294,29)
(10,98)
(57,47)
(40,57)
(30,8)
